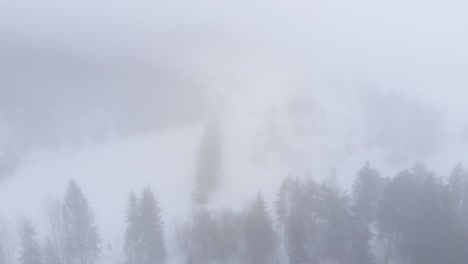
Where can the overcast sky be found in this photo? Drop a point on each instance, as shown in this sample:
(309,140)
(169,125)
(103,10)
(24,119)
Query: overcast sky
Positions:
(74,68)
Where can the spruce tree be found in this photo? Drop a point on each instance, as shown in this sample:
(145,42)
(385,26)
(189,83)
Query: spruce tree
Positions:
(82,241)
(295,208)
(30,252)
(456,182)
(151,242)
(205,240)
(133,231)
(259,235)
(335,218)
(365,197)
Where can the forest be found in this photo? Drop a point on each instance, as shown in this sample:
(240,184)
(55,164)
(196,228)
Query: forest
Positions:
(416,216)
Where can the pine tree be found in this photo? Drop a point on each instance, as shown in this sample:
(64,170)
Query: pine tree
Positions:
(209,163)
(30,252)
(259,235)
(51,256)
(152,234)
(82,239)
(133,231)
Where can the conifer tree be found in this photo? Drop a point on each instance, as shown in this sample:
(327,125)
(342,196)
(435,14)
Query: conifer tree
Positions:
(151,242)
(295,210)
(259,235)
(456,183)
(205,240)
(337,235)
(133,231)
(82,243)
(365,197)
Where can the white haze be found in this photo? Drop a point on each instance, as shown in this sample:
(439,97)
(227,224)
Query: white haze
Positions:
(117,91)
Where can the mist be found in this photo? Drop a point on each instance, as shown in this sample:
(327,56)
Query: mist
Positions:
(205,104)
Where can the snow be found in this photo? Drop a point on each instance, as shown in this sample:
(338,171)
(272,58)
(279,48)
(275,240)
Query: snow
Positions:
(106,173)
(263,142)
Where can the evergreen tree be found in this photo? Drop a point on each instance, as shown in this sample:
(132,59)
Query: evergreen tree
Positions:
(30,252)
(296,230)
(230,233)
(283,202)
(259,235)
(395,213)
(456,183)
(464,207)
(205,240)
(51,256)
(209,162)
(297,210)
(82,239)
(335,219)
(132,251)
(151,242)
(427,239)
(365,199)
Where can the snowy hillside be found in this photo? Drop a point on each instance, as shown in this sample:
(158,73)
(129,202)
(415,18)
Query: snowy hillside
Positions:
(163,160)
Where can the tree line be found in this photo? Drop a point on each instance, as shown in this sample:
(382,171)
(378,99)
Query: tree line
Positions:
(414,217)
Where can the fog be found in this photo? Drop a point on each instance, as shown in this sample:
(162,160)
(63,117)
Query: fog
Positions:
(122,95)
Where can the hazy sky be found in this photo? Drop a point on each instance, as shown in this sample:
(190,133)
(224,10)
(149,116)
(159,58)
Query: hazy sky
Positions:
(71,68)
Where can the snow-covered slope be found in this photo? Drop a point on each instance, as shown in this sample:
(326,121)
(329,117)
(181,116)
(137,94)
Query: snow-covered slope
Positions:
(107,172)
(271,135)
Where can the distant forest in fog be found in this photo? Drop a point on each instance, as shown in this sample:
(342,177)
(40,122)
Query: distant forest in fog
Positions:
(414,217)
(233,131)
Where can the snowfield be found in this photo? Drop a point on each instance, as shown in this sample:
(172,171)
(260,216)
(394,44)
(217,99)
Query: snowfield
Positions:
(107,172)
